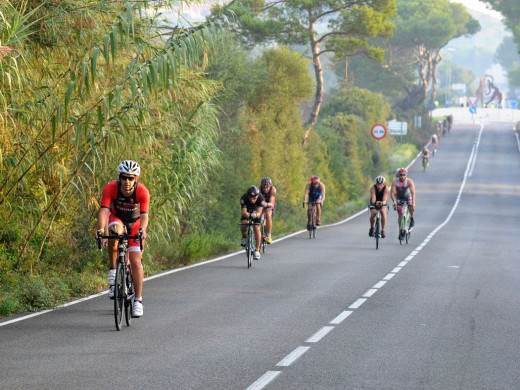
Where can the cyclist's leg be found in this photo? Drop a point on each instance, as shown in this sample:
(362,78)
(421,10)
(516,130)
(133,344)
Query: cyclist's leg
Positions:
(258,237)
(383,218)
(115,226)
(373,213)
(318,213)
(410,206)
(269,221)
(399,212)
(135,255)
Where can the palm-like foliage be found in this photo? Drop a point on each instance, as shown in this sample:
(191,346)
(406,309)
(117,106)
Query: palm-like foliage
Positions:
(98,84)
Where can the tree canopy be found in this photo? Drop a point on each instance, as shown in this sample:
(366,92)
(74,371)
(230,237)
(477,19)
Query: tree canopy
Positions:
(342,27)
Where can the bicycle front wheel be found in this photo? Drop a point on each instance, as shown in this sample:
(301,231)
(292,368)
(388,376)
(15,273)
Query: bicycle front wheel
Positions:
(402,231)
(119,289)
(314,227)
(129,298)
(249,247)
(376,233)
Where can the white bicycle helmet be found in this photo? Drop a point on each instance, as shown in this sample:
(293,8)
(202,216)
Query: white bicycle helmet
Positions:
(129,167)
(380,180)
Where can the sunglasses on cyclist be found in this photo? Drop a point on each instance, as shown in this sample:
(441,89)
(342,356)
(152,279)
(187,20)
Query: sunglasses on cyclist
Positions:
(402,174)
(129,178)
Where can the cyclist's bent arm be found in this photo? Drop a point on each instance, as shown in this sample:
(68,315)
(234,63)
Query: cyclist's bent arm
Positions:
(385,195)
(144,223)
(272,199)
(393,192)
(372,195)
(306,193)
(245,214)
(102,220)
(412,190)
(322,192)
(258,212)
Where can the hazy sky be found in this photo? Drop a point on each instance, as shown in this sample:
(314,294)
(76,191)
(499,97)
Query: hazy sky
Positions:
(479,6)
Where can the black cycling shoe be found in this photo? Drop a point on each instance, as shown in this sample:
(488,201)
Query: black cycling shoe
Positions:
(411,222)
(371,232)
(383,235)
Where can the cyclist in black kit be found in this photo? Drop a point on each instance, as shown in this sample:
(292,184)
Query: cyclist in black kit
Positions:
(252,204)
(378,197)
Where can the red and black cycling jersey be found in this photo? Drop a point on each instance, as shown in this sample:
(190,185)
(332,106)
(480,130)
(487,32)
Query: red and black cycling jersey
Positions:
(126,208)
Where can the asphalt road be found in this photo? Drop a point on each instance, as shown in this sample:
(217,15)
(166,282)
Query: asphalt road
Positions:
(332,313)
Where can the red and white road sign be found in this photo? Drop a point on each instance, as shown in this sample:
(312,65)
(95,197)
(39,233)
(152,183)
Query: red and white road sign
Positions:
(379,131)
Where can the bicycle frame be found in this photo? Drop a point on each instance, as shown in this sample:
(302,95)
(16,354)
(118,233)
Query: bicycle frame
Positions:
(250,243)
(377,225)
(312,213)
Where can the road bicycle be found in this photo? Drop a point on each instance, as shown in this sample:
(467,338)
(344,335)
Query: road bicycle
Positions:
(404,225)
(377,224)
(311,213)
(425,163)
(250,241)
(124,293)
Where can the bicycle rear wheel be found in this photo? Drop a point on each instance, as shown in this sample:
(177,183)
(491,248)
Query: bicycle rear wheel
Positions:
(264,236)
(119,298)
(130,297)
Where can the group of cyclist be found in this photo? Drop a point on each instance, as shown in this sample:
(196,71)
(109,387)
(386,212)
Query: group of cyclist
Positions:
(253,204)
(125,205)
(401,191)
(258,203)
(445,125)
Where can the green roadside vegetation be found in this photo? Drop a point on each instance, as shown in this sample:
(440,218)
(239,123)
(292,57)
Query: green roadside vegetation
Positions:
(84,87)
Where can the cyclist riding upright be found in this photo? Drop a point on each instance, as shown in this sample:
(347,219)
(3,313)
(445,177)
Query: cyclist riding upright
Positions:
(378,197)
(269,193)
(252,203)
(434,141)
(314,192)
(449,118)
(403,191)
(125,203)
(425,157)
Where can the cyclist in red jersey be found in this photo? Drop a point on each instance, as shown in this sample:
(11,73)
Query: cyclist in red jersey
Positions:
(125,202)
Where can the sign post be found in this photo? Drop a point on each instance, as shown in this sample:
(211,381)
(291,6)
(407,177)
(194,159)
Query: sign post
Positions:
(398,128)
(378,132)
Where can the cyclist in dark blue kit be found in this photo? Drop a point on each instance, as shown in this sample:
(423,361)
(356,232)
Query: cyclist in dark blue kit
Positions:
(314,192)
